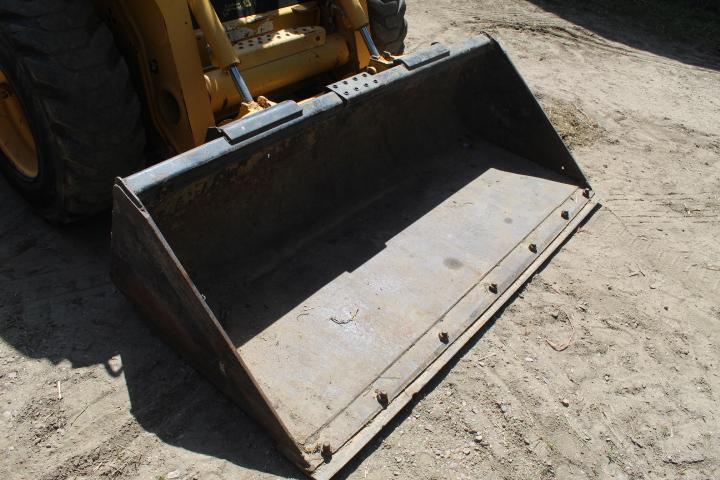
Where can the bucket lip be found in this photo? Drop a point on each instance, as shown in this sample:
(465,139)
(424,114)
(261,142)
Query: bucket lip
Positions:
(345,453)
(245,131)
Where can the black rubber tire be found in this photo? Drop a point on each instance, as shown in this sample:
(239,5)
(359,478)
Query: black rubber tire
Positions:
(388,25)
(61,62)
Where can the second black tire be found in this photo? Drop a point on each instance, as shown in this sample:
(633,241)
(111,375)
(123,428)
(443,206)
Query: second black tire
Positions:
(388,25)
(74,87)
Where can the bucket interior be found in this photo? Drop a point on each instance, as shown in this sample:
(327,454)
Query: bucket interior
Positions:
(328,249)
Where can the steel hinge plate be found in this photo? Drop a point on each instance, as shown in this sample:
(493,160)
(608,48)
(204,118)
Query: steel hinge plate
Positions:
(257,123)
(437,51)
(354,86)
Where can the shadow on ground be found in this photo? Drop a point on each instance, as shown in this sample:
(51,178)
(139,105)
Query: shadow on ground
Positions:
(684,30)
(57,303)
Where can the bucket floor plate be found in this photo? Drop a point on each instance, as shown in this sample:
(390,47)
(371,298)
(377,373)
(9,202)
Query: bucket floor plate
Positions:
(322,327)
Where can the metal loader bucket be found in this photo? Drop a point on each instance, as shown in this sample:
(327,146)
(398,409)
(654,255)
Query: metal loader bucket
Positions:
(321,262)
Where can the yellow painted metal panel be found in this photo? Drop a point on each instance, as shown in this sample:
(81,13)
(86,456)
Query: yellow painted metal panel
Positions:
(279,73)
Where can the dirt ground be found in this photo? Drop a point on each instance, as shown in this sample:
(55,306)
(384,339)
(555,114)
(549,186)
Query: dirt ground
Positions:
(635,296)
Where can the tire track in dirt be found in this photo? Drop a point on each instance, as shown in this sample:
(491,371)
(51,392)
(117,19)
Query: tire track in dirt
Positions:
(690,267)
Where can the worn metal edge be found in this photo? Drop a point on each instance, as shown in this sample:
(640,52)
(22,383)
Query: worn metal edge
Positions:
(348,451)
(260,122)
(428,347)
(436,51)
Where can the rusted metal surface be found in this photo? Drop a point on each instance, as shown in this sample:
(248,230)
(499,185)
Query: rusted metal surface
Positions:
(320,266)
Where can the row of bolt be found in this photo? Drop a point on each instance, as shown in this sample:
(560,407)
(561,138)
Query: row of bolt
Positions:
(382,396)
(444,337)
(493,288)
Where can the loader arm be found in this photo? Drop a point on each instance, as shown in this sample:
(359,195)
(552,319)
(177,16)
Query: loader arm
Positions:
(197,72)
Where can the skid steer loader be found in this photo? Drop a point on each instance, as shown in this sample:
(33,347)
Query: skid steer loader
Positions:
(323,223)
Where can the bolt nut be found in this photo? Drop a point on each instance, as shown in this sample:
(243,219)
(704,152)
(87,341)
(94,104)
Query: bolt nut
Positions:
(382,398)
(533,248)
(444,337)
(565,215)
(326,449)
(493,288)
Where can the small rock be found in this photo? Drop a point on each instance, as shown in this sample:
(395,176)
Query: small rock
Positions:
(478,439)
(173,475)
(12,375)
(7,414)
(466,451)
(565,402)
(666,308)
(529,359)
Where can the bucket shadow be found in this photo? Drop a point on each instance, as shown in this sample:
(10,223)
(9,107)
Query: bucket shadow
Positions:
(57,303)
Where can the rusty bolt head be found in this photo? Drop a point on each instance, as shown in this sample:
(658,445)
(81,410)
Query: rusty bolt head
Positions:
(533,248)
(565,215)
(493,288)
(444,337)
(382,398)
(326,449)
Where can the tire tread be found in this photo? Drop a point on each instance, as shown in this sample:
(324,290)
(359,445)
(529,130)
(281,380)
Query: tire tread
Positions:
(87,98)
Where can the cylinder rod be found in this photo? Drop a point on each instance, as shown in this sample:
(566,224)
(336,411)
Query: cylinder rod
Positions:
(240,84)
(219,42)
(365,31)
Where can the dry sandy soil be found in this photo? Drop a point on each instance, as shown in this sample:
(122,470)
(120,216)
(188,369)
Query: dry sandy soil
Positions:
(635,293)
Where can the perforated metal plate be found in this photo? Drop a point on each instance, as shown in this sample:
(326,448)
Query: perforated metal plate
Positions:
(355,86)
